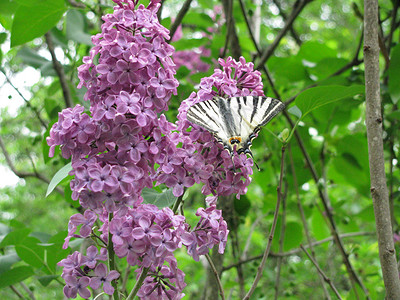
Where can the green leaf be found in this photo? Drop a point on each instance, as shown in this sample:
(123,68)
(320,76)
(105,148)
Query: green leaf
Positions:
(52,108)
(184,44)
(161,200)
(3,37)
(394,74)
(28,2)
(314,51)
(7,9)
(294,110)
(31,252)
(287,69)
(45,280)
(6,261)
(242,205)
(15,237)
(15,275)
(293,236)
(60,175)
(201,20)
(31,58)
(34,21)
(75,26)
(320,229)
(316,97)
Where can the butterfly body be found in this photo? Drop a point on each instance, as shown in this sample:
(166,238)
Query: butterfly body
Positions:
(235,121)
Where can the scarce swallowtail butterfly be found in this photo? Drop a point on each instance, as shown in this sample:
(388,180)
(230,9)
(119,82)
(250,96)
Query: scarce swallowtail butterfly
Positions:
(235,121)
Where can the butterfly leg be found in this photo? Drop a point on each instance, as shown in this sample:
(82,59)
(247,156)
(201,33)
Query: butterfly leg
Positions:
(233,163)
(248,151)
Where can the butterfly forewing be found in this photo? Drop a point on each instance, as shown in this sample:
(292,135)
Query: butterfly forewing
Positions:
(207,115)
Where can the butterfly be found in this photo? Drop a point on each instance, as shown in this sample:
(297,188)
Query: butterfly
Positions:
(235,121)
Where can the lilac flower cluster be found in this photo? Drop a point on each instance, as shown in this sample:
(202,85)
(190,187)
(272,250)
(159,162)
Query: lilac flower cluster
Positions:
(191,59)
(124,145)
(213,164)
(210,230)
(81,271)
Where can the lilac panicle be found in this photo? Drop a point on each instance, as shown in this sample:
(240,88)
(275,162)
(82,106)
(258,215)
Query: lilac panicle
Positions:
(124,143)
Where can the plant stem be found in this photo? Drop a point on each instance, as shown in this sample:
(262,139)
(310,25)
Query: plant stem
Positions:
(281,241)
(303,219)
(322,273)
(111,259)
(272,231)
(379,191)
(138,284)
(221,291)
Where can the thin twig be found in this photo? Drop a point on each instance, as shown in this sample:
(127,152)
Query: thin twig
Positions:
(354,62)
(272,231)
(125,278)
(248,241)
(328,280)
(289,22)
(181,14)
(303,218)
(76,4)
(60,72)
(30,293)
(297,250)
(18,293)
(253,38)
(325,201)
(24,174)
(284,17)
(232,39)
(373,119)
(214,270)
(35,111)
(236,255)
(396,4)
(281,241)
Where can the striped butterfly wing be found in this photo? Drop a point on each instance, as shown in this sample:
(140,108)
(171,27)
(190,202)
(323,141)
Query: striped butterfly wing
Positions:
(236,120)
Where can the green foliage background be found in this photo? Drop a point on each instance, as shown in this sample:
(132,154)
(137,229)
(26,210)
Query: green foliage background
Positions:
(326,38)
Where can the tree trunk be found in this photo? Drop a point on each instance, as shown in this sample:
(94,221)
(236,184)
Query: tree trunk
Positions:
(379,191)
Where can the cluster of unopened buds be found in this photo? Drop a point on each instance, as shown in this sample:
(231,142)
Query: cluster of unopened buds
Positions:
(124,144)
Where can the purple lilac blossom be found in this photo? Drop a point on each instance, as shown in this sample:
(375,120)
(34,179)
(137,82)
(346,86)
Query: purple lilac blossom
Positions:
(116,146)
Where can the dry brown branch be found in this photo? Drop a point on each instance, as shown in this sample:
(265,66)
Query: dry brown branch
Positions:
(329,214)
(214,270)
(21,174)
(35,111)
(232,40)
(298,7)
(272,231)
(303,219)
(181,14)
(327,280)
(297,250)
(60,72)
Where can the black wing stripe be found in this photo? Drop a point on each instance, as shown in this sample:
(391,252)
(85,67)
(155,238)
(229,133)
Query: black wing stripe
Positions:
(255,104)
(273,109)
(198,118)
(226,115)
